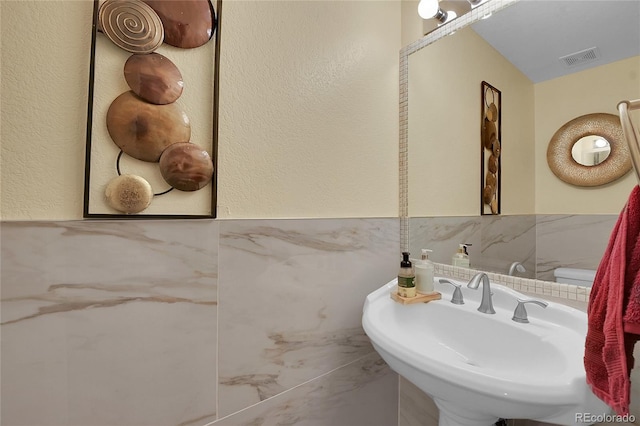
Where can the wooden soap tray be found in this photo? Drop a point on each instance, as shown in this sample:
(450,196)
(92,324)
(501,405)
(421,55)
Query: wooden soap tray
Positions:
(419,298)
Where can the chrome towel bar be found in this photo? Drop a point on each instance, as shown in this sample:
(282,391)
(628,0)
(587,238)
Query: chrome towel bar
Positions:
(630,133)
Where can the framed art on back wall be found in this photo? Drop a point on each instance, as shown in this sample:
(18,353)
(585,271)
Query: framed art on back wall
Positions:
(491,147)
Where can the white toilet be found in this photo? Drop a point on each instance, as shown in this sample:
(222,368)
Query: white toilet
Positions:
(581,277)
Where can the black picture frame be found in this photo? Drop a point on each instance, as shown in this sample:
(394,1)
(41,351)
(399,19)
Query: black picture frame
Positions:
(490,145)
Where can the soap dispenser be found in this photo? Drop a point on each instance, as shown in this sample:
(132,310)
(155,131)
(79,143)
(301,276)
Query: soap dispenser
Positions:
(406,277)
(424,273)
(461,257)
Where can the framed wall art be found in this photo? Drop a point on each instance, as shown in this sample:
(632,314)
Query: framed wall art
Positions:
(152,116)
(490,147)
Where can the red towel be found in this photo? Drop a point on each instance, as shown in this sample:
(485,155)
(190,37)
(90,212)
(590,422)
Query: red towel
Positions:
(614,311)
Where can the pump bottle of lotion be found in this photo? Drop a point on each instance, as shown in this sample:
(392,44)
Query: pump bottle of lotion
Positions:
(406,277)
(461,257)
(424,273)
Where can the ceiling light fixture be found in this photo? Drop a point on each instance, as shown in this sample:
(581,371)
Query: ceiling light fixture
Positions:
(442,10)
(445,12)
(600,143)
(428,9)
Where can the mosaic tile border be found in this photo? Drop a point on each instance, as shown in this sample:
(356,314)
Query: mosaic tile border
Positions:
(527,285)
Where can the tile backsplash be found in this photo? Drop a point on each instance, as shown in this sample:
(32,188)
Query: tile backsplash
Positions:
(569,292)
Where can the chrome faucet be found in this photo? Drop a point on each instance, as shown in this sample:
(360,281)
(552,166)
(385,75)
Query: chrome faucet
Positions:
(486,305)
(516,266)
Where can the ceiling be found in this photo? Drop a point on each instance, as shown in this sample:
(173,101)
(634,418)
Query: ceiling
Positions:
(534,34)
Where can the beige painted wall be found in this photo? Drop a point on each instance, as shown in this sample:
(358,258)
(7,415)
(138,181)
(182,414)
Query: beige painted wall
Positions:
(45,67)
(308,108)
(309,104)
(563,99)
(411,22)
(444,128)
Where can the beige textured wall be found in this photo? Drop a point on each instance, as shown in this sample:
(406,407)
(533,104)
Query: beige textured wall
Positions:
(45,67)
(411,22)
(444,128)
(563,99)
(308,108)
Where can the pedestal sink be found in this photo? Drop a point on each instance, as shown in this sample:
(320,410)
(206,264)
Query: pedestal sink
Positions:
(481,367)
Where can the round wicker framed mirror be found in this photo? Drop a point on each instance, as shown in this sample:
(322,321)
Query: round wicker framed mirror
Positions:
(597,127)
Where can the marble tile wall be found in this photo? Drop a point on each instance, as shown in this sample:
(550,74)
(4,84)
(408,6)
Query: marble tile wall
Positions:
(497,241)
(443,234)
(291,299)
(108,323)
(229,322)
(194,322)
(541,242)
(573,241)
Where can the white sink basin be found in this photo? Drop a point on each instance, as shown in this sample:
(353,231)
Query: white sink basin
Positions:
(480,367)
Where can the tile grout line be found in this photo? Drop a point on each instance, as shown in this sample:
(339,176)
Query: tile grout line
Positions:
(290,389)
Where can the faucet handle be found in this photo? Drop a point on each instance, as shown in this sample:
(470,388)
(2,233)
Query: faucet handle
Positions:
(516,266)
(520,314)
(457,298)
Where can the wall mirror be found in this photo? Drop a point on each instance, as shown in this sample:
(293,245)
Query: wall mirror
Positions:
(589,150)
(523,44)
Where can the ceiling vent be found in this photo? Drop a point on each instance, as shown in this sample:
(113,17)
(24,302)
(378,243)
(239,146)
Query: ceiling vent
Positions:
(582,57)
